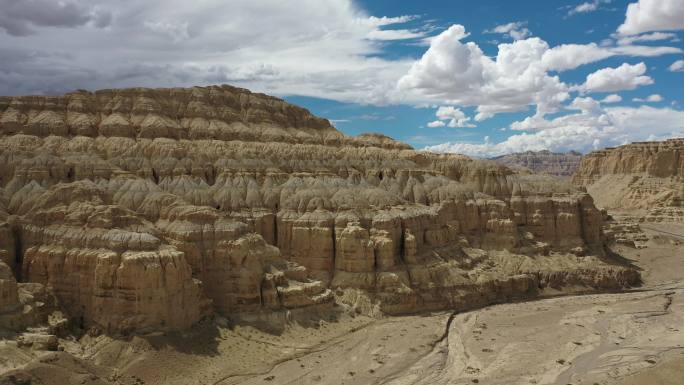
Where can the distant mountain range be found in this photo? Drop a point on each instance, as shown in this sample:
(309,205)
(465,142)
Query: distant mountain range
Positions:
(544,162)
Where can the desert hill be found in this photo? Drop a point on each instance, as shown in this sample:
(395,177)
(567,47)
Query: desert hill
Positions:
(645,176)
(143,210)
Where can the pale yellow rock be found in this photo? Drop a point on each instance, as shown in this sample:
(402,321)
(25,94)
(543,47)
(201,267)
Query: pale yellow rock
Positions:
(646,178)
(146,209)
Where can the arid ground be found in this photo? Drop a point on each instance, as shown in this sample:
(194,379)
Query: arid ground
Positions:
(211,235)
(625,338)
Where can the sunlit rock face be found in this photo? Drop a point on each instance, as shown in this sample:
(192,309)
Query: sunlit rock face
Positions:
(647,176)
(147,209)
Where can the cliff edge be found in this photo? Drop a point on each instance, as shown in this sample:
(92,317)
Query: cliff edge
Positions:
(643,176)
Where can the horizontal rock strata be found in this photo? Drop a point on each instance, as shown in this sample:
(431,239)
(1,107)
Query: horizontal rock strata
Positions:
(148,209)
(646,176)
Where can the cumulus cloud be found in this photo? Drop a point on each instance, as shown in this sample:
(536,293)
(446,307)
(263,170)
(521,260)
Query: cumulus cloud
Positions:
(612,98)
(677,66)
(455,72)
(461,74)
(436,123)
(19,18)
(624,77)
(330,49)
(454,116)
(653,15)
(655,98)
(586,105)
(583,131)
(515,30)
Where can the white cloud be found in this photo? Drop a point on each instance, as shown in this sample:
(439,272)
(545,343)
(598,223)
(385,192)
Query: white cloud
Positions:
(395,34)
(514,30)
(436,123)
(461,74)
(612,98)
(624,77)
(586,7)
(455,117)
(644,50)
(677,66)
(392,34)
(653,15)
(384,20)
(585,104)
(655,98)
(456,72)
(570,56)
(583,131)
(655,36)
(330,49)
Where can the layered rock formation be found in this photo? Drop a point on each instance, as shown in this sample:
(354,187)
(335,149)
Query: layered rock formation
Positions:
(543,162)
(22,304)
(147,209)
(647,176)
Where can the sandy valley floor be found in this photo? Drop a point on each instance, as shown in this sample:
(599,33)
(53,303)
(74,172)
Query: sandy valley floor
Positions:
(633,338)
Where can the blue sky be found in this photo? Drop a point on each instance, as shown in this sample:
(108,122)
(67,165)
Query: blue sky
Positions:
(550,20)
(481,78)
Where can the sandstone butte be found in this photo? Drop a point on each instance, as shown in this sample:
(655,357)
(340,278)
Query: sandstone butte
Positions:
(139,210)
(646,178)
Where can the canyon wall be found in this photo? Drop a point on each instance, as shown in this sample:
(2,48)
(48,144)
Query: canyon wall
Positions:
(147,209)
(647,176)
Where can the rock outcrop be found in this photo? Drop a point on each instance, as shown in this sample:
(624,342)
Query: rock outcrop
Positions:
(647,176)
(543,162)
(22,304)
(146,209)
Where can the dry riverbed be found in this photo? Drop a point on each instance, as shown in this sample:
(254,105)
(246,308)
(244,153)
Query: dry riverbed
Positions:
(622,338)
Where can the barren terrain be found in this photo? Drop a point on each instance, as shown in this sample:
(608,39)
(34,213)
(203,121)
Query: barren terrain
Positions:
(216,236)
(620,338)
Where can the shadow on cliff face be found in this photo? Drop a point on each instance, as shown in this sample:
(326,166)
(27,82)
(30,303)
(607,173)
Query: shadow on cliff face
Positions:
(614,258)
(202,339)
(205,337)
(276,322)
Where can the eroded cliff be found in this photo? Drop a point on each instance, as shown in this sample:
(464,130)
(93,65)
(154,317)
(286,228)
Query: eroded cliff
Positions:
(146,209)
(646,176)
